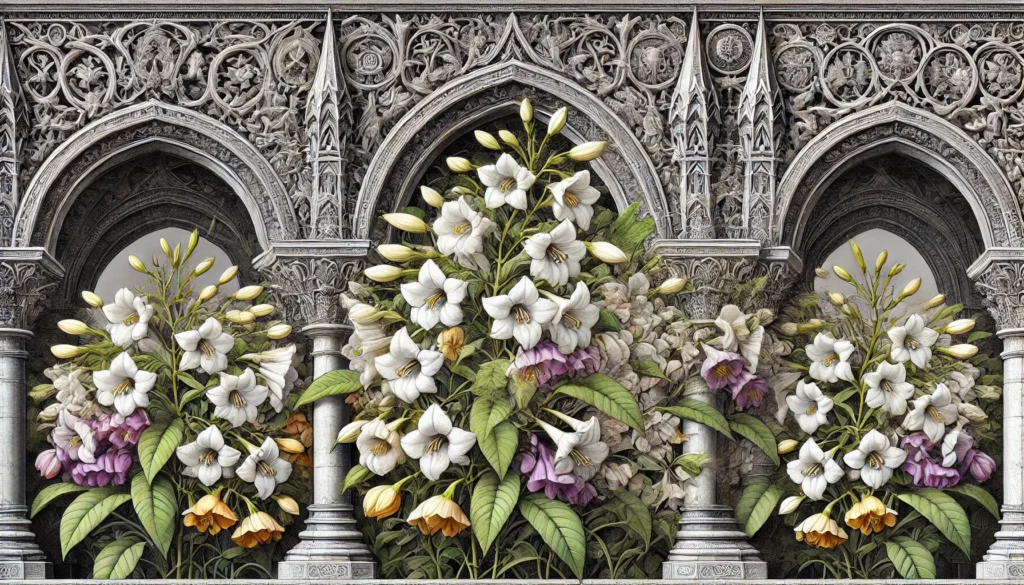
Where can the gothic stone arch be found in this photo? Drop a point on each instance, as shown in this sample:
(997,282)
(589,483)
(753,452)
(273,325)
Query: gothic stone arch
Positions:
(461,105)
(152,125)
(916,134)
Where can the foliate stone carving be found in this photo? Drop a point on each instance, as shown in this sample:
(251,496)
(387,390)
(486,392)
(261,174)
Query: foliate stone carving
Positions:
(27,277)
(782,268)
(761,126)
(307,276)
(729,49)
(999,275)
(694,121)
(712,266)
(12,125)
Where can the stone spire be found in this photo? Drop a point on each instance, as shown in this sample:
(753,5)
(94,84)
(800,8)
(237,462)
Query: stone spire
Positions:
(694,119)
(761,126)
(11,104)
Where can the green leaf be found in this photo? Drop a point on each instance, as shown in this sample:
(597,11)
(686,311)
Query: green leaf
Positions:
(911,559)
(942,511)
(118,559)
(980,495)
(647,368)
(490,377)
(749,498)
(608,322)
(638,513)
(497,437)
(157,508)
(191,395)
(762,510)
(627,232)
(51,493)
(692,463)
(190,381)
(491,505)
(355,476)
(86,513)
(608,396)
(559,527)
(332,383)
(157,444)
(698,411)
(758,433)
(978,336)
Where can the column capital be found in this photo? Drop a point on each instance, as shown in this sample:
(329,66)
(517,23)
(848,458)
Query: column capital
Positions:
(308,275)
(27,277)
(999,275)
(782,267)
(712,266)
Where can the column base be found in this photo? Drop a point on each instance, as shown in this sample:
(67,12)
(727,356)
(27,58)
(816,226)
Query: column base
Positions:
(19,570)
(330,548)
(1005,558)
(709,545)
(326,570)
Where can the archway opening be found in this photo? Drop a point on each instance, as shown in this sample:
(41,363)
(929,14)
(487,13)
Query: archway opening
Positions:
(872,242)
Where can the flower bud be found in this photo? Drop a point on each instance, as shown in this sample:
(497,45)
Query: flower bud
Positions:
(388,401)
(73,327)
(911,288)
(837,299)
(228,275)
(960,351)
(671,286)
(451,342)
(587,151)
(790,505)
(820,273)
(398,252)
(557,121)
(262,310)
(526,110)
(350,432)
(203,266)
(193,239)
(936,301)
(241,317)
(607,252)
(858,256)
(896,269)
(787,446)
(460,190)
(880,262)
(248,293)
(289,445)
(789,329)
(508,138)
(406,222)
(383,273)
(207,293)
(177,254)
(972,412)
(67,352)
(92,299)
(287,504)
(381,502)
(960,326)
(165,247)
(487,140)
(457,164)
(431,197)
(842,273)
(137,264)
(279,331)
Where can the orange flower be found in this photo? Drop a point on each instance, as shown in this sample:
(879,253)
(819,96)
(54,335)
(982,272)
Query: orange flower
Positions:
(870,515)
(260,528)
(299,429)
(210,514)
(452,341)
(820,531)
(439,513)
(382,501)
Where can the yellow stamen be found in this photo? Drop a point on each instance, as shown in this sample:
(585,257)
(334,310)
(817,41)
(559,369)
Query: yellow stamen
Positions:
(813,470)
(830,359)
(380,447)
(236,399)
(886,385)
(131,319)
(435,445)
(124,387)
(721,371)
(571,322)
(875,460)
(266,469)
(571,200)
(75,441)
(813,408)
(206,348)
(581,459)
(434,299)
(462,228)
(208,457)
(557,256)
(912,343)
(507,184)
(406,369)
(935,414)
(522,317)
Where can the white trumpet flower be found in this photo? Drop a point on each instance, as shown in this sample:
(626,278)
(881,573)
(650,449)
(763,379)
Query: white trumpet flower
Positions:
(380,448)
(574,199)
(507,182)
(888,388)
(129,317)
(520,314)
(571,324)
(277,371)
(409,369)
(124,385)
(874,459)
(435,297)
(810,406)
(437,443)
(556,254)
(206,347)
(581,451)
(814,470)
(830,358)
(913,341)
(208,458)
(237,398)
(265,469)
(460,232)
(932,413)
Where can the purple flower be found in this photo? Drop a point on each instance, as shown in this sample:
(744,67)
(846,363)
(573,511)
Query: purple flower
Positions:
(749,390)
(129,429)
(922,467)
(539,463)
(74,436)
(110,468)
(721,368)
(48,463)
(979,465)
(546,364)
(103,424)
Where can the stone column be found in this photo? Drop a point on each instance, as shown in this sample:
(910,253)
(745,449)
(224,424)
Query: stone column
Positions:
(307,277)
(998,274)
(27,276)
(709,544)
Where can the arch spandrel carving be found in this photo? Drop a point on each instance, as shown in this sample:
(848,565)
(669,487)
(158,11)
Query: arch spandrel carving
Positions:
(492,92)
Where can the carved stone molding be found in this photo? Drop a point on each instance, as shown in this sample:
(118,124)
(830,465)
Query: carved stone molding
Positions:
(712,266)
(782,268)
(27,278)
(12,132)
(999,275)
(307,276)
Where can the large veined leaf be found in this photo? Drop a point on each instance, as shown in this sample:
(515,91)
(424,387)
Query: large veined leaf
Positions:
(490,378)
(758,433)
(639,514)
(627,232)
(761,510)
(332,383)
(559,527)
(157,444)
(749,498)
(86,513)
(942,510)
(498,438)
(911,559)
(692,463)
(51,493)
(980,495)
(118,559)
(157,508)
(698,411)
(647,368)
(608,396)
(491,505)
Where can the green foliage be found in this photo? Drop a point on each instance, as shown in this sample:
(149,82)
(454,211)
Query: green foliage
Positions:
(942,511)
(334,383)
(497,437)
(157,508)
(608,396)
(559,527)
(911,559)
(758,433)
(157,445)
(52,492)
(491,505)
(701,412)
(118,559)
(85,513)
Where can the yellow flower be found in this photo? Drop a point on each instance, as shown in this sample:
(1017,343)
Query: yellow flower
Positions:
(870,515)
(787,446)
(820,531)
(210,514)
(439,513)
(587,151)
(431,197)
(279,331)
(203,266)
(406,222)
(486,140)
(452,340)
(382,501)
(73,327)
(260,528)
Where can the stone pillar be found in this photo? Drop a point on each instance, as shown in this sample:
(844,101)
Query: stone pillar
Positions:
(709,544)
(307,277)
(27,276)
(998,275)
